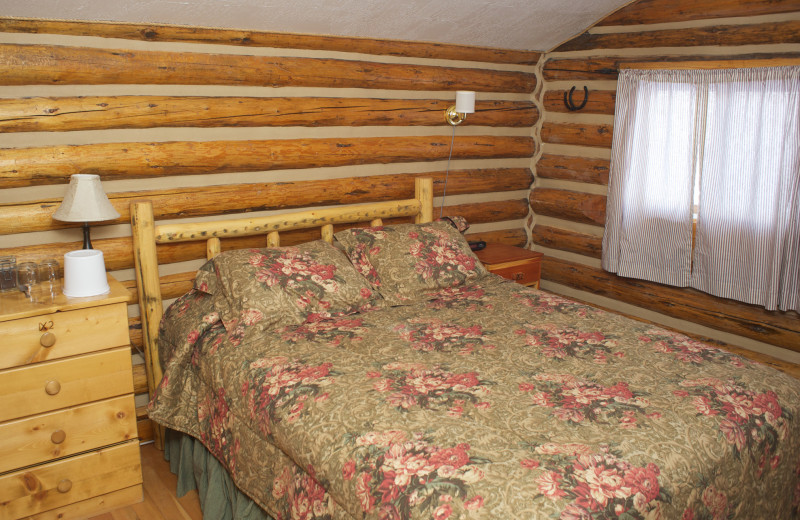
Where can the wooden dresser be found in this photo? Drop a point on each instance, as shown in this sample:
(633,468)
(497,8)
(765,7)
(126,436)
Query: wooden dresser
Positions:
(68,445)
(515,263)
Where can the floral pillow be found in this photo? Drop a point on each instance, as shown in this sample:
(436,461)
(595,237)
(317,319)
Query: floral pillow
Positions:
(409,262)
(283,285)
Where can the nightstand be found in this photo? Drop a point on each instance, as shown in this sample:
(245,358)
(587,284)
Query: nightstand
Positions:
(514,263)
(68,440)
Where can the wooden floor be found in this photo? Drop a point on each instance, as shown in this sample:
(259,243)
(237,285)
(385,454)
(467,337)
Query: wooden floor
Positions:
(160,502)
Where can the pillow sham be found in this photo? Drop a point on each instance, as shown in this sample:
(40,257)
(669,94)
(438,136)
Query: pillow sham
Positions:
(409,262)
(268,287)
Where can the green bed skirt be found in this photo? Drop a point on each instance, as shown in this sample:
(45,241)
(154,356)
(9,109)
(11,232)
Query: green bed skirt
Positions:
(197,469)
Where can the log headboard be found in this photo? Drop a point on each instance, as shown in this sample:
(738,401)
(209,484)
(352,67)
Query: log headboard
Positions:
(146,235)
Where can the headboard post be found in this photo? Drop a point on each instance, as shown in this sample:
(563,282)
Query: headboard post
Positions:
(423,192)
(149,289)
(213,247)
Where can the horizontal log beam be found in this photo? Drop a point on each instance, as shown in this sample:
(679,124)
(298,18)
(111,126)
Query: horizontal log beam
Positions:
(576,169)
(144,427)
(600,68)
(607,68)
(57,114)
(54,164)
(599,101)
(135,324)
(665,11)
(776,328)
(174,33)
(172,286)
(566,240)
(574,206)
(118,252)
(577,134)
(243,198)
(490,211)
(55,65)
(139,380)
(714,35)
(511,237)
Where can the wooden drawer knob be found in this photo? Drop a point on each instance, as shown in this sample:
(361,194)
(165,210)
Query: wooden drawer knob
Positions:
(64,486)
(58,436)
(52,387)
(47,340)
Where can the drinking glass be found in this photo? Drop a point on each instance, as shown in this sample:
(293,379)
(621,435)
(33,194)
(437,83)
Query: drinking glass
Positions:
(50,277)
(8,273)
(28,277)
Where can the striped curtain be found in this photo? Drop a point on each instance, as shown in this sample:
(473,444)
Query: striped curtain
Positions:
(748,224)
(648,233)
(728,147)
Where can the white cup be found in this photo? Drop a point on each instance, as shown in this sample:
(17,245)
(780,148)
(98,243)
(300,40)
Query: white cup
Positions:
(85,273)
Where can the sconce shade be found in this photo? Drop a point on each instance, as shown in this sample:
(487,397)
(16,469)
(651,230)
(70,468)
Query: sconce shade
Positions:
(85,201)
(465,102)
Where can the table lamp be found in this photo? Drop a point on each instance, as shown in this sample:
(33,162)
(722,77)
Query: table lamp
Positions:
(85,269)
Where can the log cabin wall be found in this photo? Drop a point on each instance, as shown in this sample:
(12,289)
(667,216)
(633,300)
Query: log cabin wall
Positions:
(209,122)
(572,169)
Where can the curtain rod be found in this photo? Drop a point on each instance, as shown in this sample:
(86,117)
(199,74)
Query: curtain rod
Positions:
(720,64)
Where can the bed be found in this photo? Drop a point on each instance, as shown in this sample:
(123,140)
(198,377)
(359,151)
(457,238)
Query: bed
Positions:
(391,376)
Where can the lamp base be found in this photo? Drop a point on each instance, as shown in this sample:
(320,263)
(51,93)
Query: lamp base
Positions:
(85,273)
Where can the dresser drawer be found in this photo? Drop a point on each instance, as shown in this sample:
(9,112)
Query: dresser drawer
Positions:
(70,480)
(66,432)
(68,382)
(67,333)
(525,273)
(95,505)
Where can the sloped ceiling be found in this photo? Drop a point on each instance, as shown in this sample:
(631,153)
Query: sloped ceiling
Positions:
(534,25)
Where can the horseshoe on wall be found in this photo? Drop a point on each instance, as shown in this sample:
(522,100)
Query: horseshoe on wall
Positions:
(571,104)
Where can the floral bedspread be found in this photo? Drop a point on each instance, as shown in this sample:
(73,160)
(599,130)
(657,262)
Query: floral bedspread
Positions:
(490,401)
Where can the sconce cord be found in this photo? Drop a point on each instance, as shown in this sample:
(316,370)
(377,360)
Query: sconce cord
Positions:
(447,172)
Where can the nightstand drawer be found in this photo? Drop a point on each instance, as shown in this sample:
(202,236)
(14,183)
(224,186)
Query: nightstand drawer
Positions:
(524,273)
(66,432)
(512,263)
(58,384)
(71,480)
(61,334)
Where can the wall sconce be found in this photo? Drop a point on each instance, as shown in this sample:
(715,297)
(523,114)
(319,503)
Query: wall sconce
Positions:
(84,269)
(465,104)
(455,115)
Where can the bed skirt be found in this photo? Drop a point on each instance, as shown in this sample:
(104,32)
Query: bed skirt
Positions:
(197,469)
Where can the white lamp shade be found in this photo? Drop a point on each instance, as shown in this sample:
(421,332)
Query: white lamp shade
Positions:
(465,102)
(85,201)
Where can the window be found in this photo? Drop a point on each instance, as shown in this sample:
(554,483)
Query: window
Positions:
(715,148)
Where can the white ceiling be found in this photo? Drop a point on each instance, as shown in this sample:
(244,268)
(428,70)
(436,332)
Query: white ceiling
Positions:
(538,25)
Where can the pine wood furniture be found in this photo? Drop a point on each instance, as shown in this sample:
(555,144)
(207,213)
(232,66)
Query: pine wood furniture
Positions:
(514,263)
(68,445)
